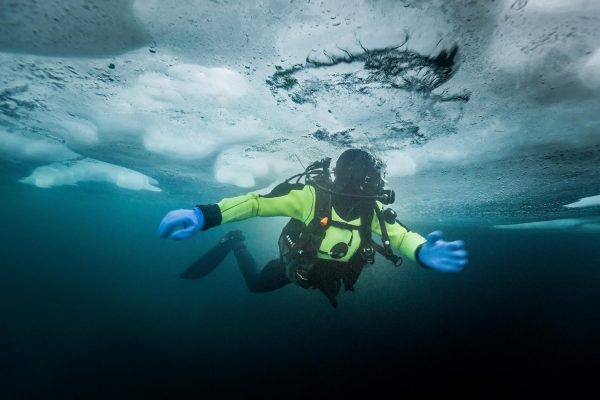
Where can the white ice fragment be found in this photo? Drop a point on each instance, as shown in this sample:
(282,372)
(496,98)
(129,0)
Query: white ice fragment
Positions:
(234,168)
(180,143)
(80,130)
(400,164)
(204,138)
(71,173)
(235,177)
(560,6)
(209,115)
(16,146)
(186,83)
(241,173)
(585,202)
(567,223)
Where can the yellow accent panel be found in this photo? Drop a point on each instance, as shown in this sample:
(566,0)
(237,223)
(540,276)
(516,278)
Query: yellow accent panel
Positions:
(335,235)
(298,204)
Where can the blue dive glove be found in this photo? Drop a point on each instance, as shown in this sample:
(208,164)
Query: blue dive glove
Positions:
(181,224)
(443,256)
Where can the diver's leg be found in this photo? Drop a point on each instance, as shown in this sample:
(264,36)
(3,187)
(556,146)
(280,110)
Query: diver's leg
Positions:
(214,256)
(271,277)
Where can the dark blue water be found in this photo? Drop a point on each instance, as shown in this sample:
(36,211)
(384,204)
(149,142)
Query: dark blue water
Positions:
(92,307)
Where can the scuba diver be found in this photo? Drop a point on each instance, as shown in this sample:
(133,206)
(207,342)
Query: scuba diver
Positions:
(328,240)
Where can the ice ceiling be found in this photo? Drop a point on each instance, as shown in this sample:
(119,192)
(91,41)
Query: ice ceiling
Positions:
(480,108)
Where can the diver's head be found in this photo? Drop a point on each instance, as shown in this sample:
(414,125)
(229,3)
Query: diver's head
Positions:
(358,172)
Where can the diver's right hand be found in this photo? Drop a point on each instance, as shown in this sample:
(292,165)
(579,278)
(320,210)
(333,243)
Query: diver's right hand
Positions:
(181,224)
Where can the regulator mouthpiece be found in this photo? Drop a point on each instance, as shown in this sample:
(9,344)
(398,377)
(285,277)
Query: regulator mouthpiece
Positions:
(387,196)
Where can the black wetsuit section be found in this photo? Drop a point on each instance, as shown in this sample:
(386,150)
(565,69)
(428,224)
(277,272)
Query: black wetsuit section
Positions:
(212,215)
(327,275)
(421,263)
(267,279)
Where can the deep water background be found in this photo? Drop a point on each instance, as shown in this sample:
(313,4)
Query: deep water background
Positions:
(92,307)
(114,112)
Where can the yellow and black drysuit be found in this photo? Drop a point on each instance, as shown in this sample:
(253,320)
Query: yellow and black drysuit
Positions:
(327,270)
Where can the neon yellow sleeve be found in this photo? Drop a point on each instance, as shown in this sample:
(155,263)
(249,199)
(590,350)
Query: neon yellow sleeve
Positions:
(298,204)
(405,241)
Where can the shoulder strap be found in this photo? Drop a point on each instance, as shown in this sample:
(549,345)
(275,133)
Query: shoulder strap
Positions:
(322,217)
(322,206)
(386,249)
(366,242)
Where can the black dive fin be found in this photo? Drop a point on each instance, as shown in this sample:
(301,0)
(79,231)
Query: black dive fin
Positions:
(211,260)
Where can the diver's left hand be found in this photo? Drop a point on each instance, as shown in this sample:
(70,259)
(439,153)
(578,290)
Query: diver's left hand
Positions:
(443,256)
(181,224)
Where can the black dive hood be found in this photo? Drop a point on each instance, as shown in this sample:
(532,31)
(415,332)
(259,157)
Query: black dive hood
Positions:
(317,174)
